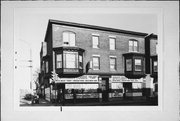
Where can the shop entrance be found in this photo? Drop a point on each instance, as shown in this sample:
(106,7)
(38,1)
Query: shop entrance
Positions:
(61,93)
(127,89)
(105,89)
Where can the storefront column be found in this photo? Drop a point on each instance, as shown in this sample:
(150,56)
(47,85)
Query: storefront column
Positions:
(148,86)
(100,87)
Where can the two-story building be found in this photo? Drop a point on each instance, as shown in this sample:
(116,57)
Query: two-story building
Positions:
(80,61)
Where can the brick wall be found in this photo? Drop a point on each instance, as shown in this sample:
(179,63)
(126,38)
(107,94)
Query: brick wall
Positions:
(84,40)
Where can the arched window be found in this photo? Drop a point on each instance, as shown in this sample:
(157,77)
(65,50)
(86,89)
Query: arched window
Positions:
(133,45)
(69,38)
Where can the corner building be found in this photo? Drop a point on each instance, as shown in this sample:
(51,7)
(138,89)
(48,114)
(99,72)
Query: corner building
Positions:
(92,63)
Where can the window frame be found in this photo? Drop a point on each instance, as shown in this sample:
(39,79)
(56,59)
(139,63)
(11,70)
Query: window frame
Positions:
(141,65)
(59,61)
(93,67)
(114,46)
(75,62)
(98,43)
(69,38)
(132,48)
(115,64)
(131,66)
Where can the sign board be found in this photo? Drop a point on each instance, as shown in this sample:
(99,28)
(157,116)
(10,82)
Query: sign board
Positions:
(117,79)
(81,79)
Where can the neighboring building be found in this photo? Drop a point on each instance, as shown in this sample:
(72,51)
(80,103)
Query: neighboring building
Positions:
(97,63)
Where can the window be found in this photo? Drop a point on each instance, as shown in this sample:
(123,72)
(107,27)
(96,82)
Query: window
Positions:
(59,61)
(155,66)
(128,64)
(68,39)
(138,65)
(112,43)
(96,63)
(95,41)
(46,67)
(112,63)
(70,60)
(80,62)
(133,46)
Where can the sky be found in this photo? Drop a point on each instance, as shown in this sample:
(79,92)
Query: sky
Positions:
(31,25)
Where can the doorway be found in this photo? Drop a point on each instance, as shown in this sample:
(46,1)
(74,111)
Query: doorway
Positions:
(105,89)
(127,89)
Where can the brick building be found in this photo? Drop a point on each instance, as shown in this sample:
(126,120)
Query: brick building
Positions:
(82,61)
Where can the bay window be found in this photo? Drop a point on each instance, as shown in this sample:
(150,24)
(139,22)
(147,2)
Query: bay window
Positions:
(138,64)
(128,64)
(70,59)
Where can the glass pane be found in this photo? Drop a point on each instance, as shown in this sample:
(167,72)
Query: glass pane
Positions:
(80,58)
(138,66)
(95,63)
(95,41)
(128,65)
(65,37)
(72,39)
(155,66)
(70,60)
(112,43)
(59,61)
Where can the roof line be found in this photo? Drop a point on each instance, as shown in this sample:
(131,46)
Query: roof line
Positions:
(96,27)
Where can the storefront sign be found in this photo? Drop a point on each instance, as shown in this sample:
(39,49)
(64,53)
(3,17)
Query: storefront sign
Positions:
(124,79)
(81,79)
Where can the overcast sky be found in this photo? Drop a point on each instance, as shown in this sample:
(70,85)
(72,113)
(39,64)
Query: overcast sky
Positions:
(31,25)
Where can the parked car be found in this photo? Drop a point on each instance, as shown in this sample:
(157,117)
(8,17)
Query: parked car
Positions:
(35,99)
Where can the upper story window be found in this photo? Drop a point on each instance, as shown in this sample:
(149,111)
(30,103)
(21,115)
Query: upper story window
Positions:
(47,67)
(59,61)
(95,41)
(112,42)
(70,59)
(155,64)
(128,64)
(138,64)
(96,63)
(112,63)
(80,62)
(69,38)
(133,46)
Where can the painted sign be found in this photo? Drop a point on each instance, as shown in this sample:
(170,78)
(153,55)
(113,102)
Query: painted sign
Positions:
(81,79)
(117,79)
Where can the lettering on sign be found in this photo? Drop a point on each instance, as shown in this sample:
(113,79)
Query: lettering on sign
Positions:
(125,79)
(81,79)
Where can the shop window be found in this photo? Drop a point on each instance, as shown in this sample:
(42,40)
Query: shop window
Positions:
(68,39)
(95,41)
(70,59)
(112,42)
(59,61)
(128,64)
(155,66)
(112,63)
(133,46)
(96,63)
(138,64)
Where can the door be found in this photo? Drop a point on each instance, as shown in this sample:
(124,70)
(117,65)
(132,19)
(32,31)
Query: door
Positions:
(105,89)
(127,89)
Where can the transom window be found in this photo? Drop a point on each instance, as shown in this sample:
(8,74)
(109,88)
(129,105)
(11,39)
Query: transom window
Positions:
(68,39)
(95,41)
(112,43)
(138,64)
(112,63)
(133,46)
(96,63)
